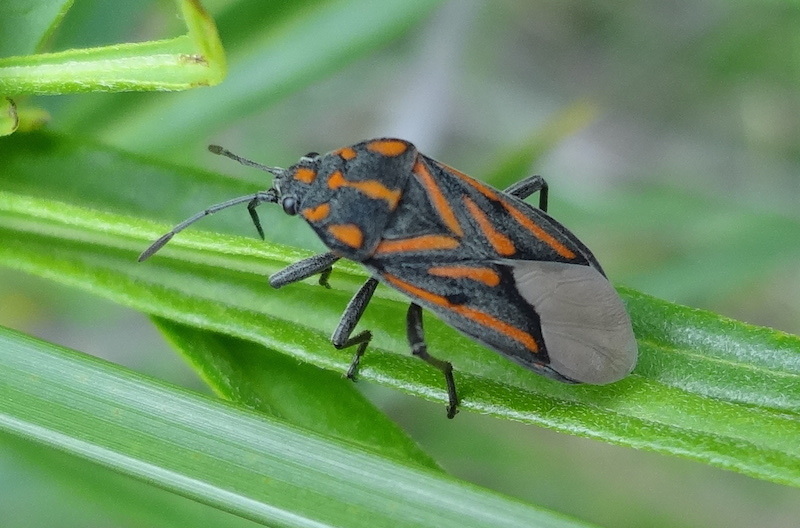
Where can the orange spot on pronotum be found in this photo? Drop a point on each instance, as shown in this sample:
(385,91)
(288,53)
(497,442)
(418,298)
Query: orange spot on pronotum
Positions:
(479,317)
(346,153)
(377,190)
(387,147)
(371,188)
(440,203)
(487,276)
(336,180)
(315,214)
(348,234)
(501,243)
(305,175)
(420,243)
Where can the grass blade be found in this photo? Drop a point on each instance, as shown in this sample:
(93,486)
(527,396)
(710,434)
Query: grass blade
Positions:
(238,461)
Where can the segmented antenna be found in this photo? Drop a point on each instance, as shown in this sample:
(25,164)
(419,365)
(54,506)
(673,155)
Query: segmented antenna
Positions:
(270,195)
(253,199)
(222,151)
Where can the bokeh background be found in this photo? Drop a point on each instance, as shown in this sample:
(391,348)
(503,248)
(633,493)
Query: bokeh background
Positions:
(669,132)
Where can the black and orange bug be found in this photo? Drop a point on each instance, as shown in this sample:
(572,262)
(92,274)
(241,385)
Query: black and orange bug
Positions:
(497,269)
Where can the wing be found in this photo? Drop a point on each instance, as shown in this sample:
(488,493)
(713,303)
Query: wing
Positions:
(505,274)
(564,321)
(447,215)
(586,329)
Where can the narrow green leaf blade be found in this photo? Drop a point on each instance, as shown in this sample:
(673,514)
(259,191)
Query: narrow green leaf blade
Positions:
(273,383)
(26,24)
(706,387)
(188,61)
(752,433)
(311,44)
(247,464)
(45,487)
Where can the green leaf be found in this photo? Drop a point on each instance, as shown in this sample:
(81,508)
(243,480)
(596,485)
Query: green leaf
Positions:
(26,24)
(284,57)
(722,247)
(233,459)
(194,59)
(270,382)
(57,489)
(706,387)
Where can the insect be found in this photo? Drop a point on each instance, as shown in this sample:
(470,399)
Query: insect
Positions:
(493,267)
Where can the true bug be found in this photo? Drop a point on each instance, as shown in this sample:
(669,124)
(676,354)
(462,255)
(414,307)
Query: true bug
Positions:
(499,270)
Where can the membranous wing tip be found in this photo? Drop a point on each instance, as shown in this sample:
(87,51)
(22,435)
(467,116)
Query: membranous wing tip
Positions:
(584,324)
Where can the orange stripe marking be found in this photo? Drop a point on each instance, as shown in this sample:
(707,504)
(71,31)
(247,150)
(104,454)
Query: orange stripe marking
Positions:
(305,175)
(481,187)
(501,243)
(487,276)
(347,234)
(440,203)
(317,213)
(346,153)
(390,148)
(539,233)
(372,188)
(479,317)
(420,243)
(518,215)
(378,191)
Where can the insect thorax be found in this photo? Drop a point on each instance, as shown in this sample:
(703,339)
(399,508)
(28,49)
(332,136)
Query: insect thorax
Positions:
(349,196)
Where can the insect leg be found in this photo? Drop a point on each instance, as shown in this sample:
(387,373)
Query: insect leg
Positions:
(341,336)
(524,188)
(305,269)
(416,338)
(251,208)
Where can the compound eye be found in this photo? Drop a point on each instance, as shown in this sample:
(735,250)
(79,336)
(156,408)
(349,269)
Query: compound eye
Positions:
(289,205)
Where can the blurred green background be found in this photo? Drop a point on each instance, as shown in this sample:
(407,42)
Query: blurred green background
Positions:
(668,132)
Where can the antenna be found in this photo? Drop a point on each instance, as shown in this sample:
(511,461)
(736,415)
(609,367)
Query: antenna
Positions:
(254,200)
(221,151)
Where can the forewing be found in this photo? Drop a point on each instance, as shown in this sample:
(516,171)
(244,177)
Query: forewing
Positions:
(561,320)
(478,299)
(507,275)
(488,224)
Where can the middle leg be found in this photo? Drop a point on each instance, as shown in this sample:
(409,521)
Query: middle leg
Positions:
(416,338)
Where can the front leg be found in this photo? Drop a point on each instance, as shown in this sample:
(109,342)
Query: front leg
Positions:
(304,269)
(352,314)
(524,188)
